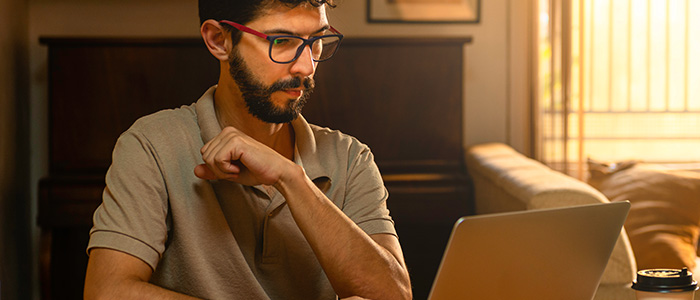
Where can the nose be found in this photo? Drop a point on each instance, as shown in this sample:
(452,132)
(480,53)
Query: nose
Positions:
(304,65)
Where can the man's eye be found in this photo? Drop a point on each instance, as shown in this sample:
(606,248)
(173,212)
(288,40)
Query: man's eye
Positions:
(281,41)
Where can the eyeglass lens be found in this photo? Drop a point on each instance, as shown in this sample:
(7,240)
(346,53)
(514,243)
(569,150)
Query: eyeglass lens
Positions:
(288,48)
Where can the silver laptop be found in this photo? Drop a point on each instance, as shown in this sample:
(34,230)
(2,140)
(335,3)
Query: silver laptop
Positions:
(538,254)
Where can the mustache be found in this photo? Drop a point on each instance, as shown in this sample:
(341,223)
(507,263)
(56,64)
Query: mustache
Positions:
(292,83)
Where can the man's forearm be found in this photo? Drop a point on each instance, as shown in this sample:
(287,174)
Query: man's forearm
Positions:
(354,263)
(112,274)
(137,290)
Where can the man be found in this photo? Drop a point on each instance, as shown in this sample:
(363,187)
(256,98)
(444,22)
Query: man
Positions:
(236,196)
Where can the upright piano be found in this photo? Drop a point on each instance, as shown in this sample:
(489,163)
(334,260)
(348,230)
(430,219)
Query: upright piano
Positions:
(402,97)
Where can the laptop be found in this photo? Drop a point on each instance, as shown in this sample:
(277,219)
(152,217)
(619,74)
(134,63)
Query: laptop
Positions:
(556,253)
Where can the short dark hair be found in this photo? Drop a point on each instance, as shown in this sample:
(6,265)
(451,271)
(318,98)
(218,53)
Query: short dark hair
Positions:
(245,11)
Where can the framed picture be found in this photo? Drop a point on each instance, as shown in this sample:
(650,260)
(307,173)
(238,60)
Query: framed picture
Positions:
(423,11)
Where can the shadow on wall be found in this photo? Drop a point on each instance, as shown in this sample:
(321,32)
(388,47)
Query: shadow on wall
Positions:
(17,260)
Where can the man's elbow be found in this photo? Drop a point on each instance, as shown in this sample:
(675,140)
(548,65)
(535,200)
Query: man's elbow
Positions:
(405,290)
(90,293)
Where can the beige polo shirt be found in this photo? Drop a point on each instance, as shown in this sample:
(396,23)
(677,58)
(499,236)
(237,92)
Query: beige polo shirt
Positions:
(218,239)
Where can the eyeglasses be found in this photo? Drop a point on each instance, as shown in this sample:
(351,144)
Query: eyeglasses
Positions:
(285,49)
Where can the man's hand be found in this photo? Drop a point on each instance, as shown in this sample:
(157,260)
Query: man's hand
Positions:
(234,156)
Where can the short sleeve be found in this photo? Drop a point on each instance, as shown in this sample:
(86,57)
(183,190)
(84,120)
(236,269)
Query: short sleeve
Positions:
(366,196)
(132,216)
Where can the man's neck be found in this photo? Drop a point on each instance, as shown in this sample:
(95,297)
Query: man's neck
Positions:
(231,111)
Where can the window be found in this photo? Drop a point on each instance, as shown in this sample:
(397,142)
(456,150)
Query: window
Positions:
(618,80)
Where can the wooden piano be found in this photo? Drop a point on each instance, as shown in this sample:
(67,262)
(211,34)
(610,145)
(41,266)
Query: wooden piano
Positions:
(402,97)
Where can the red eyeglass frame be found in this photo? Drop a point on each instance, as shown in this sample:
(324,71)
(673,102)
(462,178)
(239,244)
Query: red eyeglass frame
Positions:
(271,38)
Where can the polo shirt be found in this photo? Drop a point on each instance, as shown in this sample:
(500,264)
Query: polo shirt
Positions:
(219,239)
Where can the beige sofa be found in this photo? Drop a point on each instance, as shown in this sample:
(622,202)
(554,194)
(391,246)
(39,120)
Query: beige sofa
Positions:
(505,180)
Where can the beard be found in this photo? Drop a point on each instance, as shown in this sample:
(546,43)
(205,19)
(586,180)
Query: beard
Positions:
(258,96)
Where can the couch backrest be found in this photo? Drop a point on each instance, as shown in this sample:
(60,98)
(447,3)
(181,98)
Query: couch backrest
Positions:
(531,182)
(505,180)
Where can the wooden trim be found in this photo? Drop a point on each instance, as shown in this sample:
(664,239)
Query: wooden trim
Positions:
(161,41)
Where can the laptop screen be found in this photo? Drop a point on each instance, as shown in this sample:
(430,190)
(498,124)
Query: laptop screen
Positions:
(556,253)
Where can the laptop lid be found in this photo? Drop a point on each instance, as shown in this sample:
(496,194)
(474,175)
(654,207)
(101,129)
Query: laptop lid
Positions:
(556,253)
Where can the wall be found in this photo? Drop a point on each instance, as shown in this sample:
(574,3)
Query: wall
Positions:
(16,272)
(497,72)
(496,68)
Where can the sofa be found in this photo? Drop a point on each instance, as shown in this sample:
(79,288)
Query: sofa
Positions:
(505,180)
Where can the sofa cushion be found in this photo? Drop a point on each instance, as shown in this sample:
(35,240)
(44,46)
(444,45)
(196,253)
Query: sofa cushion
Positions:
(664,221)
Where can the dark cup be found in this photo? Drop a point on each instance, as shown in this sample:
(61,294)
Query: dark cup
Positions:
(665,284)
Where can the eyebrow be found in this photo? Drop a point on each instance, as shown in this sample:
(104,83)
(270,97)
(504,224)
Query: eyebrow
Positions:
(287,32)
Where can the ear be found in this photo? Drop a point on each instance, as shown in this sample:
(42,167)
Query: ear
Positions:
(214,36)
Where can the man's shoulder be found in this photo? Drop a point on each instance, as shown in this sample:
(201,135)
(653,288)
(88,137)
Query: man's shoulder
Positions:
(167,121)
(328,135)
(335,141)
(173,134)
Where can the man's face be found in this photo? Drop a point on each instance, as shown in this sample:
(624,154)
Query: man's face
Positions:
(258,96)
(276,93)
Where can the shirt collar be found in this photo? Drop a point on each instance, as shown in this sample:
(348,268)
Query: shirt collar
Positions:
(206,116)
(305,152)
(308,152)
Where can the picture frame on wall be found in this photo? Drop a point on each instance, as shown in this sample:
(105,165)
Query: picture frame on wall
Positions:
(423,11)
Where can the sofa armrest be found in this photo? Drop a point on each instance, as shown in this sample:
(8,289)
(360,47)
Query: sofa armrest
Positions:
(505,180)
(527,181)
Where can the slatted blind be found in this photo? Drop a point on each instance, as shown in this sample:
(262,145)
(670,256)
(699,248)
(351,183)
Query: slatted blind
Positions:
(632,86)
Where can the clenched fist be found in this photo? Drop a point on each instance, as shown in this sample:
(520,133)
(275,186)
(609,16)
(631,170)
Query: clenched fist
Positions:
(235,156)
